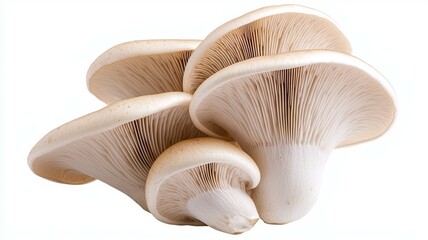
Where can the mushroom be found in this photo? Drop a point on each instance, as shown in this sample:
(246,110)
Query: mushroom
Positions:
(137,68)
(288,112)
(204,181)
(117,144)
(265,31)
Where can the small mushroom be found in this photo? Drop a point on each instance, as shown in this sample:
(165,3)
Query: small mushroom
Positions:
(138,68)
(204,181)
(117,144)
(265,31)
(288,112)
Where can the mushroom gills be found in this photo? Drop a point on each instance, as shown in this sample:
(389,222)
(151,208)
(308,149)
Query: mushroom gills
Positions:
(122,156)
(138,68)
(138,76)
(288,112)
(276,29)
(213,194)
(204,181)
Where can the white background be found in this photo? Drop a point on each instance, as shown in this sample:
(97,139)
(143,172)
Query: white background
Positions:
(375,190)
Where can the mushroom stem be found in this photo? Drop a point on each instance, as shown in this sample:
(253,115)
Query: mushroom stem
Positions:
(228,210)
(290,180)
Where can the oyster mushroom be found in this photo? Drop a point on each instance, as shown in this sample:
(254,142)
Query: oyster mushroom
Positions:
(288,112)
(117,144)
(265,31)
(138,68)
(204,181)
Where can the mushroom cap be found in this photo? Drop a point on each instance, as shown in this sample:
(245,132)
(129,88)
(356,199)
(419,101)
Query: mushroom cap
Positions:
(116,144)
(316,97)
(137,68)
(214,158)
(265,31)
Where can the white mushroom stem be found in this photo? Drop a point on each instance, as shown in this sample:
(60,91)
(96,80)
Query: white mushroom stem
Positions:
(228,210)
(291,177)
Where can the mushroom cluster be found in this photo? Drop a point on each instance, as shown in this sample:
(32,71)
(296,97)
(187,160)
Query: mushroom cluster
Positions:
(222,131)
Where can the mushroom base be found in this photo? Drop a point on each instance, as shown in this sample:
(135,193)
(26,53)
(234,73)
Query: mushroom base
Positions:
(290,180)
(228,210)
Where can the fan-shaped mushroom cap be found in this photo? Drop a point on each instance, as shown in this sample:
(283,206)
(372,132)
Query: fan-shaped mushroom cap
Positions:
(288,111)
(265,31)
(204,181)
(117,144)
(137,68)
